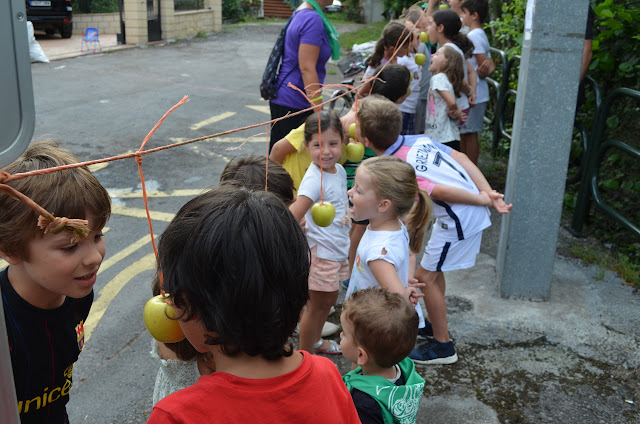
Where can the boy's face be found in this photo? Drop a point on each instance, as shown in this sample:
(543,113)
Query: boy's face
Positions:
(347,342)
(467,17)
(58,268)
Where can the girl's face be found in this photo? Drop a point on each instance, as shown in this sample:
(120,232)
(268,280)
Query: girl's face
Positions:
(438,61)
(363,196)
(403,50)
(434,30)
(330,152)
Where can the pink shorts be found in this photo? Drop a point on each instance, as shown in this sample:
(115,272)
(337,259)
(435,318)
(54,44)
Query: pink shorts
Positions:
(325,275)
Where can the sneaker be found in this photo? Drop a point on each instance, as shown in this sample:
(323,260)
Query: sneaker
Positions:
(329,328)
(426,332)
(332,349)
(434,352)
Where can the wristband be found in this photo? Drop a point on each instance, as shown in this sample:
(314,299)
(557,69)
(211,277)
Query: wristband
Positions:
(316,99)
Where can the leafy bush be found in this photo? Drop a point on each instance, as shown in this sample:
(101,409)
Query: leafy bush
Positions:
(94,6)
(232,10)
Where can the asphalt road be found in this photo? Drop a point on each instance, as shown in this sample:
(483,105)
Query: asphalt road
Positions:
(104,105)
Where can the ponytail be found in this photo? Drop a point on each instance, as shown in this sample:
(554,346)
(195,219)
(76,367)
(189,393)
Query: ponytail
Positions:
(378,54)
(417,221)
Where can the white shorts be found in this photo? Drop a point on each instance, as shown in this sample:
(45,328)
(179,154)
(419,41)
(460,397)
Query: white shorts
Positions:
(446,255)
(475,120)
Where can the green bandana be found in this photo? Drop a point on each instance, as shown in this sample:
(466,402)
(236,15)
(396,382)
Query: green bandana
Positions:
(331,31)
(399,404)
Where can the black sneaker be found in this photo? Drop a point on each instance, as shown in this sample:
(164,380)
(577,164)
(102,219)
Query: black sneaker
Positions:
(433,352)
(425,332)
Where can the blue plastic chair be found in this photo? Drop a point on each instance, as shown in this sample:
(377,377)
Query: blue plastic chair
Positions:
(91,36)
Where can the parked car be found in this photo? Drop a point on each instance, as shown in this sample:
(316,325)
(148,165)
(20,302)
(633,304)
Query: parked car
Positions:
(335,7)
(51,16)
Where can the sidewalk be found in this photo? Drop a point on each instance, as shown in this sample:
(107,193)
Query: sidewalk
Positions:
(572,359)
(56,48)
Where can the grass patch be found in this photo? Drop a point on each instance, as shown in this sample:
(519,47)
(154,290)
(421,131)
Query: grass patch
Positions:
(617,262)
(368,32)
(201,34)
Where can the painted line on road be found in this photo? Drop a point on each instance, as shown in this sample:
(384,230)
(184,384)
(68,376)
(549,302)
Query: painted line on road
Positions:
(141,213)
(108,263)
(109,292)
(212,120)
(3,263)
(260,108)
(128,194)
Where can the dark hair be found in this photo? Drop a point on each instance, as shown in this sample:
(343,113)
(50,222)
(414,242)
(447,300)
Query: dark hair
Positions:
(238,262)
(451,24)
(393,34)
(384,324)
(393,82)
(329,120)
(477,6)
(70,193)
(380,121)
(250,172)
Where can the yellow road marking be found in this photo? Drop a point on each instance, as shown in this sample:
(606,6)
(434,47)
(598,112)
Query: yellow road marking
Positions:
(3,263)
(107,263)
(260,108)
(128,194)
(97,166)
(109,292)
(212,120)
(140,213)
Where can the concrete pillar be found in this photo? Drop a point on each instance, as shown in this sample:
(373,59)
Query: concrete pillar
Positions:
(216,7)
(135,21)
(543,123)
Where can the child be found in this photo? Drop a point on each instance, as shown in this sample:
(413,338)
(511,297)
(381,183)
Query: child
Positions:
(235,263)
(416,21)
(180,364)
(385,191)
(474,12)
(394,42)
(446,85)
(47,289)
(379,331)
(460,195)
(392,83)
(444,28)
(324,180)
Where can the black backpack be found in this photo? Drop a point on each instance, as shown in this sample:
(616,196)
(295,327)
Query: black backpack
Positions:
(268,88)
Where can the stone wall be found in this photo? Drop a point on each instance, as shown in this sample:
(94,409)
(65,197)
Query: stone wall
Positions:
(185,24)
(107,23)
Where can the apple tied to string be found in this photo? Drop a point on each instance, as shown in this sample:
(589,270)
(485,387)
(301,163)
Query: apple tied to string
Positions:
(420,59)
(323,213)
(160,320)
(355,150)
(424,37)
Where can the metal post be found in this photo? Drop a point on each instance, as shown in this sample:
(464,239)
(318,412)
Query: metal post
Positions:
(545,106)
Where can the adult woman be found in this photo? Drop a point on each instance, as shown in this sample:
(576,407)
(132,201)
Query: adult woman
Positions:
(310,41)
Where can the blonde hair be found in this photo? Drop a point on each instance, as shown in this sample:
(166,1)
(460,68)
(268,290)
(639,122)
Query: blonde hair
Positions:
(453,68)
(395,179)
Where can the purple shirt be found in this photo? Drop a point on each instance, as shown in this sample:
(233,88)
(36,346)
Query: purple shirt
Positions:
(306,27)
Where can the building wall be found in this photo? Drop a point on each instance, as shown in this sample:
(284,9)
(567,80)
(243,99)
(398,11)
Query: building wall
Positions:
(107,23)
(175,24)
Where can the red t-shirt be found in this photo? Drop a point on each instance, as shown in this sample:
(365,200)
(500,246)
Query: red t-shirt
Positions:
(312,393)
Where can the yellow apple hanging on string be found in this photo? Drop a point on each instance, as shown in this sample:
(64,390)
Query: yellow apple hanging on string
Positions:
(420,59)
(355,152)
(424,37)
(323,213)
(443,6)
(160,320)
(352,130)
